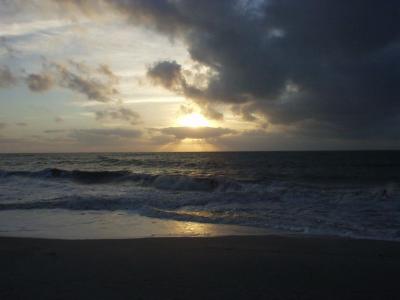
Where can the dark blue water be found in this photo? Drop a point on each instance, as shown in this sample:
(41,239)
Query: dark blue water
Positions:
(343,193)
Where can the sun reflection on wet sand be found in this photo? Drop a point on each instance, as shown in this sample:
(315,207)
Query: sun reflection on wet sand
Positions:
(65,224)
(195,229)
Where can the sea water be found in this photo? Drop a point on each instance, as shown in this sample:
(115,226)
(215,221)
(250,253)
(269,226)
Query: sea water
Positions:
(355,194)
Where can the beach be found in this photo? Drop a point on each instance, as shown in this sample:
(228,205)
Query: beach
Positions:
(190,150)
(279,225)
(236,267)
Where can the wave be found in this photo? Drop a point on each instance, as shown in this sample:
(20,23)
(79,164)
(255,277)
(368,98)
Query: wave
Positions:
(159,181)
(372,221)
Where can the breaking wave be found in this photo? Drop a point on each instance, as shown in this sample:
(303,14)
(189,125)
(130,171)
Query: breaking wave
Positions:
(163,182)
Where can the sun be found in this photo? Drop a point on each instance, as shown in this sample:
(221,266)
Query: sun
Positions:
(193,120)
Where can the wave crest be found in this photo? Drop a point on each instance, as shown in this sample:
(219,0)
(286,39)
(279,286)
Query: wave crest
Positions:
(163,182)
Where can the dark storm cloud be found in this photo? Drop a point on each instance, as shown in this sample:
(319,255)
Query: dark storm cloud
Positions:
(7,78)
(196,133)
(333,62)
(39,82)
(121,113)
(169,75)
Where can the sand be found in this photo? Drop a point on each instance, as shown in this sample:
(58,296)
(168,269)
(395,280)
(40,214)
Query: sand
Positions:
(245,267)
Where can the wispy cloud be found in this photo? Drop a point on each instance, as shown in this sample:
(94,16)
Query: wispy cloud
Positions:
(104,135)
(96,84)
(39,82)
(7,78)
(51,131)
(58,119)
(80,78)
(196,133)
(120,113)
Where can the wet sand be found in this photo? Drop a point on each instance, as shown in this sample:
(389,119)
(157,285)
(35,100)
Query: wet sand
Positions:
(245,267)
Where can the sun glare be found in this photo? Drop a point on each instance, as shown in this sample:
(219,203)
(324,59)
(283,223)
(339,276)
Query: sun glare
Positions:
(193,120)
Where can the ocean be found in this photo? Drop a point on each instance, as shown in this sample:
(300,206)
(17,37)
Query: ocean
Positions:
(354,194)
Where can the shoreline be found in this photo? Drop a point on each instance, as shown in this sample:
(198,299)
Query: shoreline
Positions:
(65,224)
(88,225)
(276,234)
(225,267)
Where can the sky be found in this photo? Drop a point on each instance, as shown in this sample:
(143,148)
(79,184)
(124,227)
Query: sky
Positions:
(189,75)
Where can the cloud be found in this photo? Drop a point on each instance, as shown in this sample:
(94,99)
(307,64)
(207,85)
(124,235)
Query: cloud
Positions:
(185,110)
(7,78)
(51,131)
(104,69)
(169,74)
(104,135)
(196,132)
(39,82)
(21,124)
(58,119)
(121,113)
(246,111)
(96,84)
(296,140)
(2,125)
(78,77)
(291,62)
(9,50)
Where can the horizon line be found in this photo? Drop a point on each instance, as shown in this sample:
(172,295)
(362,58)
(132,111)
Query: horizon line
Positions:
(221,151)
